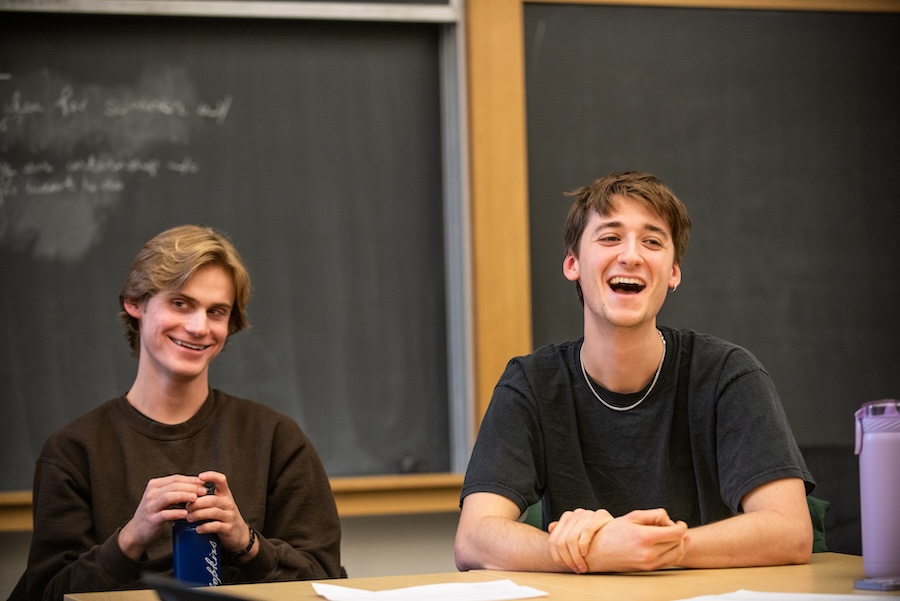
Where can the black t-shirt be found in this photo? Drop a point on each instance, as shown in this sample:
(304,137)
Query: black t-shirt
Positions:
(711,430)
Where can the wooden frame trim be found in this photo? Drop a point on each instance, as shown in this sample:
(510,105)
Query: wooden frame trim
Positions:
(356,496)
(501,285)
(15,511)
(390,495)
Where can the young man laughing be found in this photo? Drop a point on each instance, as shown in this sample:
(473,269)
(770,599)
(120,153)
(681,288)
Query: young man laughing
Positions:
(648,447)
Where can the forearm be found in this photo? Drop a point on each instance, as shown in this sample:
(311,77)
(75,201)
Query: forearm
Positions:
(300,542)
(66,554)
(759,538)
(102,567)
(498,543)
(296,520)
(276,560)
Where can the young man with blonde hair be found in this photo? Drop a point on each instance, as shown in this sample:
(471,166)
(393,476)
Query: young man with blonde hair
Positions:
(109,485)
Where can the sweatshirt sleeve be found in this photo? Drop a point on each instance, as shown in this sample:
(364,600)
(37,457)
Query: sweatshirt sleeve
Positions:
(300,533)
(63,522)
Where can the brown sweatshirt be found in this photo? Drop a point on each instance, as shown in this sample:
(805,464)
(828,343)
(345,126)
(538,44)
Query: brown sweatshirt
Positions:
(91,475)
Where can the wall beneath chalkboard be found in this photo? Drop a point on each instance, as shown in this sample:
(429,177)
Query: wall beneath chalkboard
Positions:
(780,131)
(315,145)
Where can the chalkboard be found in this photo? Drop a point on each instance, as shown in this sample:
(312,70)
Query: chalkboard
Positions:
(315,145)
(781,133)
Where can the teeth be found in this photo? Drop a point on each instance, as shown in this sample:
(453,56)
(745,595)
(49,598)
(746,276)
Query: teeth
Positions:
(627,281)
(190,346)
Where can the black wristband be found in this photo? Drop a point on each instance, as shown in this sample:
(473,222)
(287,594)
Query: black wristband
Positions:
(249,546)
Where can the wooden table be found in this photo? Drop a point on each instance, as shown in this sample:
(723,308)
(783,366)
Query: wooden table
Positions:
(826,573)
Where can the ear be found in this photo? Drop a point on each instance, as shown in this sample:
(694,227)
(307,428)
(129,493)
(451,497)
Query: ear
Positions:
(675,278)
(570,267)
(132,307)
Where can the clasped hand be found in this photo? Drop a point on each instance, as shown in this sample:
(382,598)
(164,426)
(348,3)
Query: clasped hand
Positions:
(594,541)
(179,497)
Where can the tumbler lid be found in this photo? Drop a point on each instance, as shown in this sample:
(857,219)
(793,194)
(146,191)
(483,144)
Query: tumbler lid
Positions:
(886,407)
(875,410)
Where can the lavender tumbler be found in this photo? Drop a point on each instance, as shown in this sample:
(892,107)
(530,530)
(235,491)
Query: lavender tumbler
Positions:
(878,447)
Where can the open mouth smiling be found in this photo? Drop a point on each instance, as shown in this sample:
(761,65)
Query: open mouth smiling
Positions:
(193,347)
(626,285)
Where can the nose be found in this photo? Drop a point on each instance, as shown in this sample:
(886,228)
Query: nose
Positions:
(197,324)
(630,252)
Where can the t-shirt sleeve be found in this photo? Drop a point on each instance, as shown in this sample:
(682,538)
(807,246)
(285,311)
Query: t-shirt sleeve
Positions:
(508,455)
(753,437)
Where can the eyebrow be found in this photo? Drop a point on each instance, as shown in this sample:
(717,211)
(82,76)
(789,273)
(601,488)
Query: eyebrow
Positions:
(178,293)
(648,227)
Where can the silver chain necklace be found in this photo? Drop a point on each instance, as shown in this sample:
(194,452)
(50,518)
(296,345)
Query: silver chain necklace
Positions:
(639,401)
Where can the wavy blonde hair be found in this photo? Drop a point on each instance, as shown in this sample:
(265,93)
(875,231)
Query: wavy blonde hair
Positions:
(170,259)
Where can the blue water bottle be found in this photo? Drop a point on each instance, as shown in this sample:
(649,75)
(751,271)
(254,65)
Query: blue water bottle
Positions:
(196,558)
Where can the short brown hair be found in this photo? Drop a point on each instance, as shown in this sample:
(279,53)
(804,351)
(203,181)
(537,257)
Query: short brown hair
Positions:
(643,187)
(170,259)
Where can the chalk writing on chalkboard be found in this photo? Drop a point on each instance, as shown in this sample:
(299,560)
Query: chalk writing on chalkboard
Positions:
(68,151)
(316,146)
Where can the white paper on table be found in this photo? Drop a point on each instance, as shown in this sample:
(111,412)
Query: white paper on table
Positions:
(745,595)
(497,590)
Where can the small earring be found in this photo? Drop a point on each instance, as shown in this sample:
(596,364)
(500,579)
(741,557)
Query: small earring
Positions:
(675,287)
